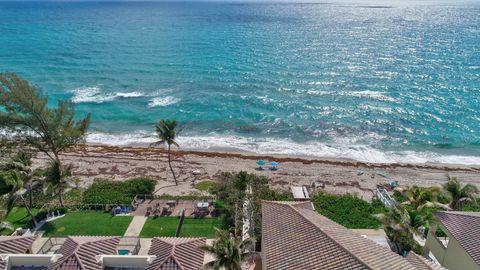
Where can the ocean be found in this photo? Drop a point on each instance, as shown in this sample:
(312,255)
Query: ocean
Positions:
(394,81)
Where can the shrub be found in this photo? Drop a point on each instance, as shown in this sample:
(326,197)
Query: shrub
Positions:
(205,185)
(43,213)
(349,211)
(398,196)
(72,197)
(117,192)
(230,193)
(472,207)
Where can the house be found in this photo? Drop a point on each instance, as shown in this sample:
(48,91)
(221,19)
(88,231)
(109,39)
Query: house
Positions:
(294,236)
(174,253)
(460,249)
(14,245)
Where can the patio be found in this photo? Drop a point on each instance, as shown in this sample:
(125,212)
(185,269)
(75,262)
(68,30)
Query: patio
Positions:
(159,207)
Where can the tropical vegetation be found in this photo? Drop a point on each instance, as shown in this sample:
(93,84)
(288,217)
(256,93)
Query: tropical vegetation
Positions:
(348,210)
(415,207)
(231,192)
(28,118)
(399,228)
(460,195)
(18,178)
(58,180)
(167,132)
(230,252)
(104,191)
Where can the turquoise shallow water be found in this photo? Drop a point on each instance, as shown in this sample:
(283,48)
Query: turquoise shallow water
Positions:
(398,81)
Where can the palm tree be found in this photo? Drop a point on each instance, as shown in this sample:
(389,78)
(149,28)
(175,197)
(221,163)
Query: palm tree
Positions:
(460,195)
(399,230)
(19,177)
(230,252)
(421,197)
(166,132)
(57,180)
(4,224)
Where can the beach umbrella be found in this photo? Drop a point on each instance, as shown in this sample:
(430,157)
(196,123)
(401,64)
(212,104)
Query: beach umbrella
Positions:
(274,164)
(261,162)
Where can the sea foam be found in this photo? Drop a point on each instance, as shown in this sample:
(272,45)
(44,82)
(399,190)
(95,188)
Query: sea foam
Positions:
(162,101)
(94,94)
(340,150)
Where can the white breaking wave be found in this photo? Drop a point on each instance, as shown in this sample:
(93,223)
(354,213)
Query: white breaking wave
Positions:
(130,94)
(162,101)
(340,150)
(94,95)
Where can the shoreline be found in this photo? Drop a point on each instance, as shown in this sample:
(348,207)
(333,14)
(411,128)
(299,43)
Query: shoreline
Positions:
(334,176)
(338,150)
(238,153)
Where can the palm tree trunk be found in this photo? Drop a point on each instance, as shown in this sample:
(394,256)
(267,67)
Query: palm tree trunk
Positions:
(29,210)
(30,196)
(60,197)
(170,165)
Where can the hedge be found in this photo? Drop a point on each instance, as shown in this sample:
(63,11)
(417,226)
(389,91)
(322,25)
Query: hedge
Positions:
(117,192)
(349,211)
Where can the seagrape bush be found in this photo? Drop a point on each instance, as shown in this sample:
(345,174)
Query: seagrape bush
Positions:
(350,211)
(104,191)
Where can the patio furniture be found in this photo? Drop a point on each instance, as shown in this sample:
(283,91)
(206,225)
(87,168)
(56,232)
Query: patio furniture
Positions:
(149,211)
(203,205)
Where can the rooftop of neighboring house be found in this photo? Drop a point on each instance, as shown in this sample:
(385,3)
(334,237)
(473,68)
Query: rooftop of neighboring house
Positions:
(297,237)
(465,228)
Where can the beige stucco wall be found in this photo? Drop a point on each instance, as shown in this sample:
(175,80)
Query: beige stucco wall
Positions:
(454,257)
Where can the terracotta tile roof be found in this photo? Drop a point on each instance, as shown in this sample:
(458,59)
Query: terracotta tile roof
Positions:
(421,263)
(465,228)
(14,245)
(297,237)
(177,253)
(79,252)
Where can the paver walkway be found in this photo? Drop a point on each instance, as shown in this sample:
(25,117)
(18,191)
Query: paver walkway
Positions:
(136,226)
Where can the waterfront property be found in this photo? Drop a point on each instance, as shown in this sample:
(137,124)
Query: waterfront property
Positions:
(294,236)
(303,239)
(176,253)
(14,245)
(91,253)
(460,248)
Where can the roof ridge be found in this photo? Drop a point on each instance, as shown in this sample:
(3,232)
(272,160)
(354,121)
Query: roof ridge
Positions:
(177,262)
(461,213)
(328,236)
(79,261)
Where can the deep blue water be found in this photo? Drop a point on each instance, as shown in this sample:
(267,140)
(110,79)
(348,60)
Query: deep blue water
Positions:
(394,81)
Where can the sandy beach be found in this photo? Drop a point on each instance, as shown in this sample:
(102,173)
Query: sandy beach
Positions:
(332,176)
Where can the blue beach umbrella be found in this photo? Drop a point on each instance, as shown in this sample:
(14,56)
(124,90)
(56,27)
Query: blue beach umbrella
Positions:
(274,164)
(261,162)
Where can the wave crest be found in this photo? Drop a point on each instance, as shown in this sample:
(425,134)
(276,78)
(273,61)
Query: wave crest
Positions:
(94,94)
(162,101)
(340,150)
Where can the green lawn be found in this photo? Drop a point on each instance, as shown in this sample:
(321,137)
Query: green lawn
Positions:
(200,227)
(160,226)
(93,223)
(18,217)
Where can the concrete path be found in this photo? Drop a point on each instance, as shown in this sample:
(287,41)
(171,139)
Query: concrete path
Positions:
(136,226)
